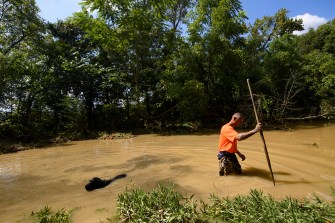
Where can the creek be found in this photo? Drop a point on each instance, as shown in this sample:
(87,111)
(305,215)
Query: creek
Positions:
(302,162)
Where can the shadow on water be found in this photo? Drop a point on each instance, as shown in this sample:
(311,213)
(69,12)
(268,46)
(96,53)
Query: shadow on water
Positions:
(146,161)
(265,174)
(87,168)
(141,162)
(181,168)
(97,183)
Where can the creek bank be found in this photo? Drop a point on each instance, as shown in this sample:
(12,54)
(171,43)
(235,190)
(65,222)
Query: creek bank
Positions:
(12,146)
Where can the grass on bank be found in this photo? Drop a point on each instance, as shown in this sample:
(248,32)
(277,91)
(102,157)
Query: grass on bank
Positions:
(164,204)
(46,215)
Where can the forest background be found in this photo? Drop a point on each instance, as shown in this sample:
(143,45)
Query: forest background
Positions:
(157,66)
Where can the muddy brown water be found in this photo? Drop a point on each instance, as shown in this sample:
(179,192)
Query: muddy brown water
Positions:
(302,162)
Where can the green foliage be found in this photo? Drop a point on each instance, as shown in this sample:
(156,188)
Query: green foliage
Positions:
(261,208)
(320,67)
(19,22)
(193,101)
(214,58)
(45,215)
(274,63)
(72,118)
(265,30)
(162,204)
(123,65)
(320,77)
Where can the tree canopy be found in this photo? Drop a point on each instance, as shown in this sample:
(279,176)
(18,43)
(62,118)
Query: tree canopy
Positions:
(156,66)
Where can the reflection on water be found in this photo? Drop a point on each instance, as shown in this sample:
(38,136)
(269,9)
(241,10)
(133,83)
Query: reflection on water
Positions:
(9,173)
(302,162)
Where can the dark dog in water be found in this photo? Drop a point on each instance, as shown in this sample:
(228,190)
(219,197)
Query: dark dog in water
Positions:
(97,183)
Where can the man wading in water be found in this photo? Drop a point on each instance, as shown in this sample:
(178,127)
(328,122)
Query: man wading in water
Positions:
(228,162)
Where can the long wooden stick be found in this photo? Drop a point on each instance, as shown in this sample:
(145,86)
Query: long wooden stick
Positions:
(261,133)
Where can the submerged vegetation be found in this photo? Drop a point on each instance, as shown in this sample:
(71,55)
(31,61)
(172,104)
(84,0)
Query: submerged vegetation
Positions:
(164,204)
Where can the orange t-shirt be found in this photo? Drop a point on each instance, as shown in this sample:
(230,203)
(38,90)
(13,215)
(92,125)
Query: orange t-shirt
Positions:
(227,140)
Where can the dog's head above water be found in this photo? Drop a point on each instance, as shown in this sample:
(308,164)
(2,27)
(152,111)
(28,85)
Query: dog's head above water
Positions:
(96,182)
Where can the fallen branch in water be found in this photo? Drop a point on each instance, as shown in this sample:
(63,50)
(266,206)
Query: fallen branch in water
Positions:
(325,116)
(106,136)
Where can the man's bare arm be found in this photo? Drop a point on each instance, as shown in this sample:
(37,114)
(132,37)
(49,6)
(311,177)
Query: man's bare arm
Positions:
(245,135)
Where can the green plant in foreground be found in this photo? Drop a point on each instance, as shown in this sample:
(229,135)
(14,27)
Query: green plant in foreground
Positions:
(260,208)
(45,215)
(162,204)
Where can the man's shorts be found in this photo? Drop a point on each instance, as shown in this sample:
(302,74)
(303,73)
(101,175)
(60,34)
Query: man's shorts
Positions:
(228,164)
